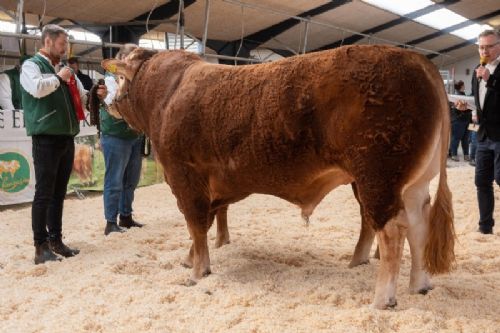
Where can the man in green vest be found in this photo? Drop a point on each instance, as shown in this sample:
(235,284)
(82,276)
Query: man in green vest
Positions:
(10,87)
(51,120)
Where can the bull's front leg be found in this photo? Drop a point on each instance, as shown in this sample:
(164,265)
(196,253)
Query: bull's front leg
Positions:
(391,241)
(362,251)
(367,234)
(198,257)
(222,237)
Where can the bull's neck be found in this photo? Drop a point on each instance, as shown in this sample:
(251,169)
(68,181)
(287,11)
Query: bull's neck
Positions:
(152,89)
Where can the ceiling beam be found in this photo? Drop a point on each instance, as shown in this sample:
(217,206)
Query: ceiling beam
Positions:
(88,26)
(89,50)
(164,11)
(8,13)
(243,47)
(453,48)
(408,17)
(260,37)
(467,42)
(453,28)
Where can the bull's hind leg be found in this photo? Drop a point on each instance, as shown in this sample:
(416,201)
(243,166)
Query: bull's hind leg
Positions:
(417,204)
(391,241)
(222,237)
(366,237)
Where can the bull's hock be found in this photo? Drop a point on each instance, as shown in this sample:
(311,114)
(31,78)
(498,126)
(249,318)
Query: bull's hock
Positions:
(296,129)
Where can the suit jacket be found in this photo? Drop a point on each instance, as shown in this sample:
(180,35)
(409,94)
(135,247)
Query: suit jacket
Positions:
(85,80)
(489,115)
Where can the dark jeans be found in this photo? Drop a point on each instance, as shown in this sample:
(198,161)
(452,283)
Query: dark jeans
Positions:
(487,170)
(123,161)
(53,160)
(459,133)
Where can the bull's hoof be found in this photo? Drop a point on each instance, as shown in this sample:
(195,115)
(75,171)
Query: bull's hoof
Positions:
(196,277)
(190,283)
(390,304)
(425,290)
(202,274)
(221,242)
(421,288)
(355,263)
(186,264)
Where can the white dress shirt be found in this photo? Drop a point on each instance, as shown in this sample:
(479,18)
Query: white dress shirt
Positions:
(40,85)
(5,93)
(482,84)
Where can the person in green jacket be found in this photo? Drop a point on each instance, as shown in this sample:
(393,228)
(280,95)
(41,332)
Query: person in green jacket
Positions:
(121,147)
(10,87)
(51,120)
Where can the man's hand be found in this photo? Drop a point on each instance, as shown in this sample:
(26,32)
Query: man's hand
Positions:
(461,105)
(65,74)
(482,72)
(102,92)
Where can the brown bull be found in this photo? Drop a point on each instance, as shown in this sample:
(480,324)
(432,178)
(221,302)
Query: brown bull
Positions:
(297,128)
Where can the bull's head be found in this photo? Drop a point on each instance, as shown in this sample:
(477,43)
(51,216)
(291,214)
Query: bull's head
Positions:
(125,71)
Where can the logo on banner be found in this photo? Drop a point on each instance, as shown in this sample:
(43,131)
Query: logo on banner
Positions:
(14,172)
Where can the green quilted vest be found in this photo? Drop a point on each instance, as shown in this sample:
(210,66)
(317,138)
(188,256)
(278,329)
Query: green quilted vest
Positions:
(52,114)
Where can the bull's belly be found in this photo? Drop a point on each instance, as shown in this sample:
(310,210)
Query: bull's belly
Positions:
(305,190)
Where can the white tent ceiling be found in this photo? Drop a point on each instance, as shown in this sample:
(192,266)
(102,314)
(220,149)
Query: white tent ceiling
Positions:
(265,24)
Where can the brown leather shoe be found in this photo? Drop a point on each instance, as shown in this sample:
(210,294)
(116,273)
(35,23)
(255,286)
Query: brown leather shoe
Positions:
(128,222)
(57,246)
(43,254)
(112,227)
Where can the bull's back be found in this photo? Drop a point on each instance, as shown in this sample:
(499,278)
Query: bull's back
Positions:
(360,108)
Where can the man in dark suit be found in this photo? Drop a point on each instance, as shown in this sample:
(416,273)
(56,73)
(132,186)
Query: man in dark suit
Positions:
(84,78)
(486,90)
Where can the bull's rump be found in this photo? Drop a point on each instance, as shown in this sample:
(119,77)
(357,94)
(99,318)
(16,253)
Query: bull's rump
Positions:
(309,112)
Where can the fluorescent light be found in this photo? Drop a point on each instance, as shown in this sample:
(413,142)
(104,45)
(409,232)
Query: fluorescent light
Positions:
(400,7)
(7,26)
(84,36)
(441,19)
(471,31)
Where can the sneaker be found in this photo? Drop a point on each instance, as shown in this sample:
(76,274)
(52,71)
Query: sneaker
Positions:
(472,162)
(466,158)
(454,158)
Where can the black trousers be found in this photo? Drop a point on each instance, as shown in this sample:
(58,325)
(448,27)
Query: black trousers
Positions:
(53,160)
(487,171)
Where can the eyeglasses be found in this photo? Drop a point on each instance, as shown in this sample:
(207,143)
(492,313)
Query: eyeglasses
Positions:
(487,47)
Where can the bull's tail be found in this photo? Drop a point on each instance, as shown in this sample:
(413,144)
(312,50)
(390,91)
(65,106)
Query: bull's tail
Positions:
(439,252)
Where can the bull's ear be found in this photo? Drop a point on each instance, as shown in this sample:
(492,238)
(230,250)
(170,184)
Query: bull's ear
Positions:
(118,67)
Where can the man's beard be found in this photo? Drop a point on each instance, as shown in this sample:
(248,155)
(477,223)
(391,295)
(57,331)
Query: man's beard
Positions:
(54,54)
